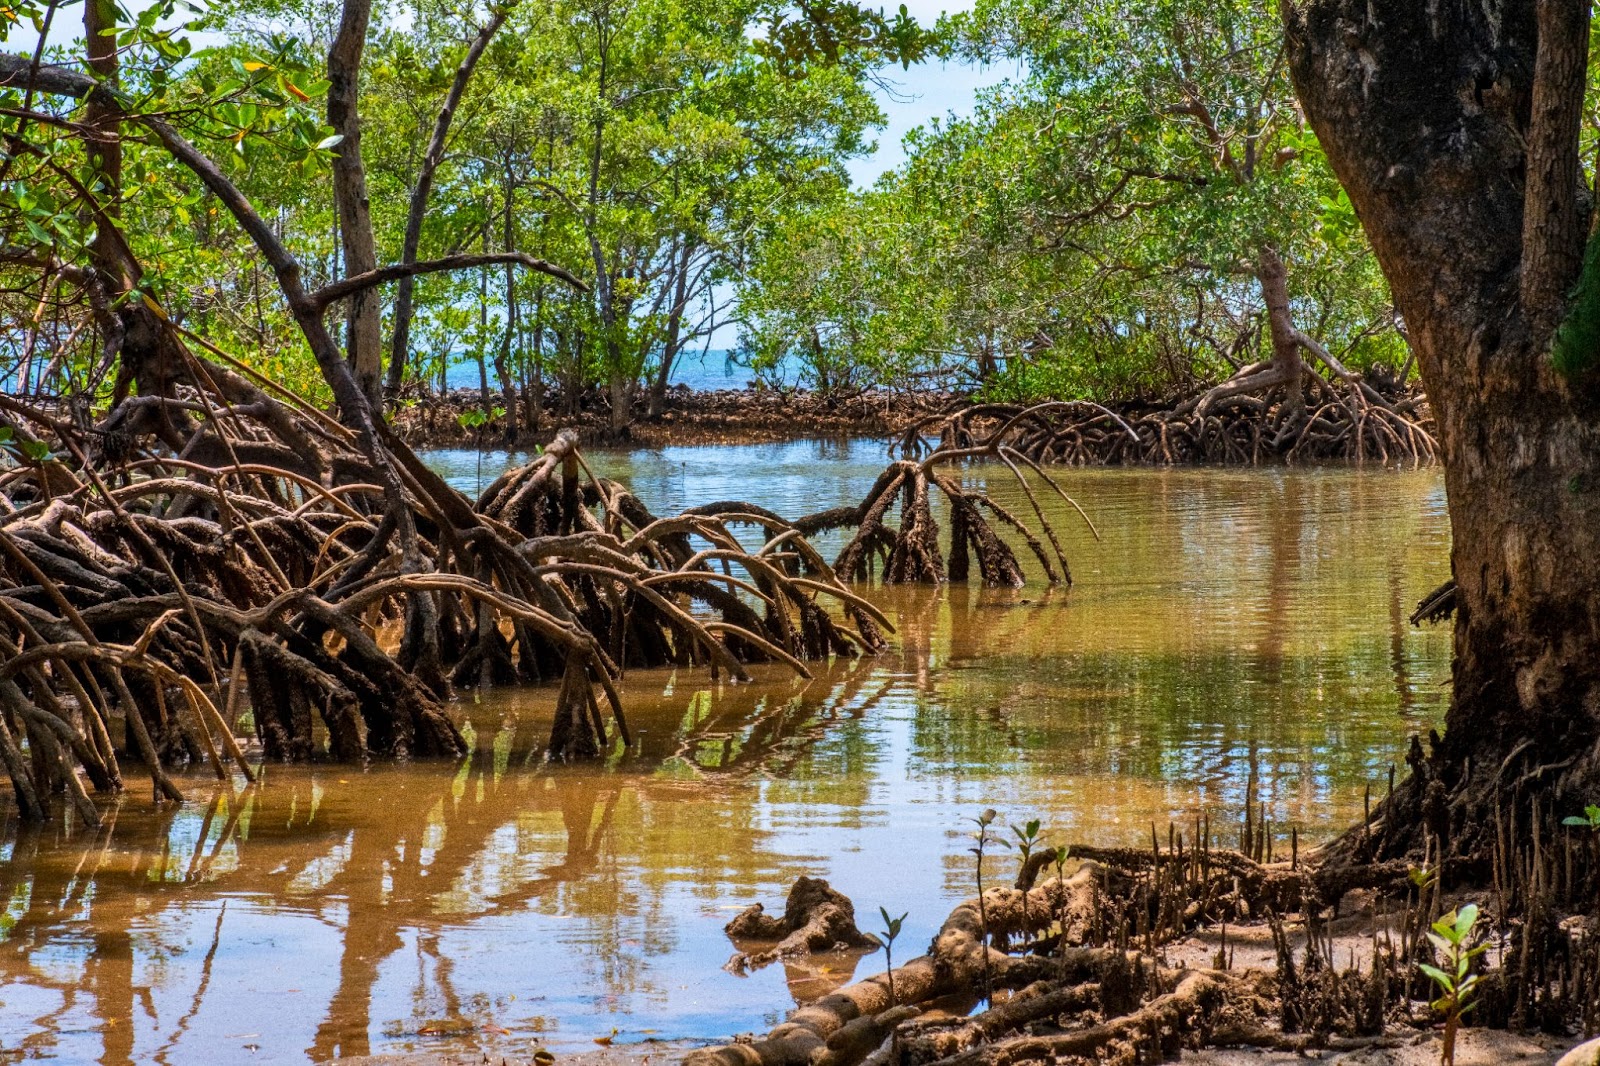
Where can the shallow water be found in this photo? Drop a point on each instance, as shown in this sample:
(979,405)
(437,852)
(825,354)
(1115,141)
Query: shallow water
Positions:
(1230,623)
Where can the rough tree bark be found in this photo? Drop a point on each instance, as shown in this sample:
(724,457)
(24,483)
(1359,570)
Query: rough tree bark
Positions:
(1454,128)
(1274,279)
(363,330)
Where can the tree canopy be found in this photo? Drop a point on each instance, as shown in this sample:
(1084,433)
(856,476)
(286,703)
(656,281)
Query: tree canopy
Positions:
(1095,228)
(644,145)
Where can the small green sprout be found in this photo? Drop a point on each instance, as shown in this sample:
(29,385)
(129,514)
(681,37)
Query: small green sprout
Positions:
(1450,937)
(891,929)
(1590,819)
(983,821)
(1027,840)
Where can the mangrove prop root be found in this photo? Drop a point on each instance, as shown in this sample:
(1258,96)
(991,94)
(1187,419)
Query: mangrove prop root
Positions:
(910,552)
(214,548)
(1248,420)
(1347,418)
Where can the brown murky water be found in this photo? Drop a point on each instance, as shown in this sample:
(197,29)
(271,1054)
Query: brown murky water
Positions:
(1230,623)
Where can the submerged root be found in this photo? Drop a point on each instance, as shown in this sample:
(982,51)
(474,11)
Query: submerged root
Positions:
(217,552)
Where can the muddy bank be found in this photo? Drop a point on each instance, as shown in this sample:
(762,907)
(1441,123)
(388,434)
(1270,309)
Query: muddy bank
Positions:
(722,416)
(1130,960)
(1474,1047)
(656,1054)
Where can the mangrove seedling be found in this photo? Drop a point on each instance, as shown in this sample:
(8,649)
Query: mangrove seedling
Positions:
(983,838)
(1027,840)
(1450,936)
(1589,819)
(891,929)
(1060,863)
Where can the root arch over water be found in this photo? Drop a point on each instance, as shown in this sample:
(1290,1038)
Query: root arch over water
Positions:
(910,552)
(218,552)
(1251,419)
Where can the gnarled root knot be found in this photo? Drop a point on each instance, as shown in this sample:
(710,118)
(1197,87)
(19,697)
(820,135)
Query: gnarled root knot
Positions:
(815,918)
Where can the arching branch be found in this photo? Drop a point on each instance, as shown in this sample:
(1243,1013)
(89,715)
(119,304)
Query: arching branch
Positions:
(338,290)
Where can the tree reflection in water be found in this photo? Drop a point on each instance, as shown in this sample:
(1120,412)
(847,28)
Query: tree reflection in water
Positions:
(1231,626)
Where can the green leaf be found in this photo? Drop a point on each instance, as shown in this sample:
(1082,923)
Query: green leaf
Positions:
(1443,979)
(332,141)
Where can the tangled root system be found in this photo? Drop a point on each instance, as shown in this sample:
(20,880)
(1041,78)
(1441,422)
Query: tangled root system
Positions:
(220,551)
(1349,419)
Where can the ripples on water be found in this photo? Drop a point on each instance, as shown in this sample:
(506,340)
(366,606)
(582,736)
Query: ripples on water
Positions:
(1230,623)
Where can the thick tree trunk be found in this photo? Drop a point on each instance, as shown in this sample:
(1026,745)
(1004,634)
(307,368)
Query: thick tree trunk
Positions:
(621,401)
(1274,279)
(1553,220)
(1464,173)
(363,336)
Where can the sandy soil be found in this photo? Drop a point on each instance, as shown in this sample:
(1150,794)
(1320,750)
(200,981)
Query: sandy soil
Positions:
(1247,947)
(1474,1047)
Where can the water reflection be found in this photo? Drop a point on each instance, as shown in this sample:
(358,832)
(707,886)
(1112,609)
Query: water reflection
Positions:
(1230,625)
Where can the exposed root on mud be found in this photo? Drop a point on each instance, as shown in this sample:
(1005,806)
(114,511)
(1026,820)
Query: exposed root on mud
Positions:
(815,918)
(1102,965)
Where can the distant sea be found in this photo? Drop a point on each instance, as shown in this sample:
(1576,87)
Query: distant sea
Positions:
(701,372)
